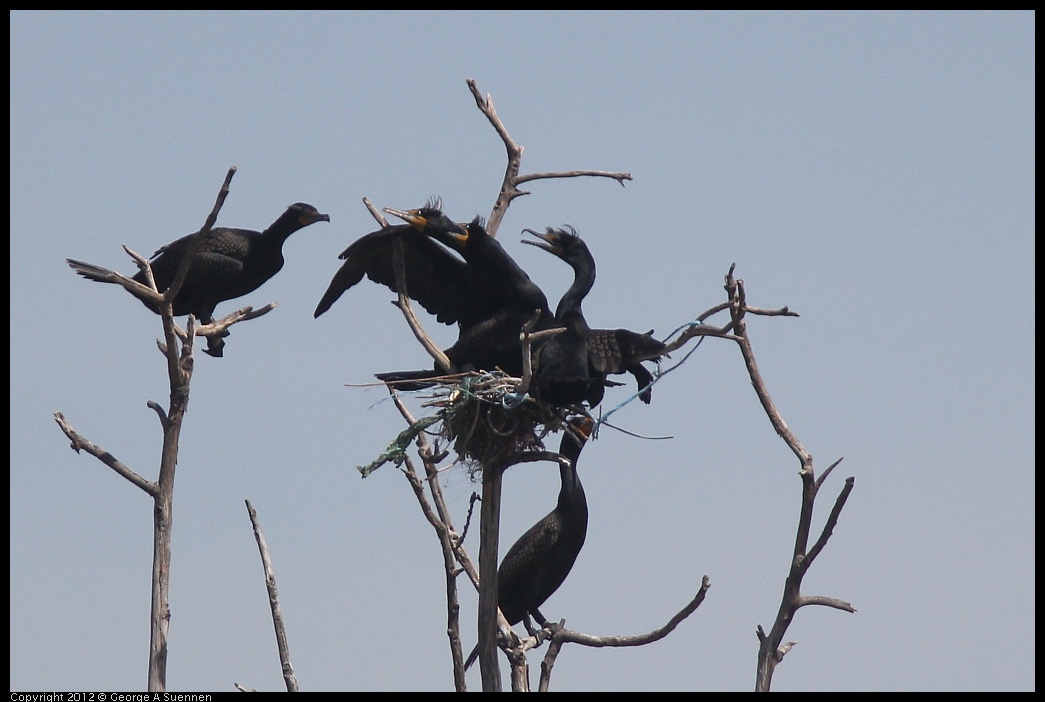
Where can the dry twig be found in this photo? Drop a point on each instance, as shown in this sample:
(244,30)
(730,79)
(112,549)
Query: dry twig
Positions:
(277,612)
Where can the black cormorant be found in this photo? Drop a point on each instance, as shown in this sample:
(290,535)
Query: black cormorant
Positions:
(229,263)
(561,372)
(609,351)
(437,279)
(538,563)
(504,299)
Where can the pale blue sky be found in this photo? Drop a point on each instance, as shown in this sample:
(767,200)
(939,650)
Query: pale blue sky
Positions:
(873,171)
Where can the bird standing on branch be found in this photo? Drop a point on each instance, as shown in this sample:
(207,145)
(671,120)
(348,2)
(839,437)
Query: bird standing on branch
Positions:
(229,263)
(608,351)
(561,375)
(538,563)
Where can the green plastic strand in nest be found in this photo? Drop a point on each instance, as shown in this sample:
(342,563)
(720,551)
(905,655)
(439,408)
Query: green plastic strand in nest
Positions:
(396,451)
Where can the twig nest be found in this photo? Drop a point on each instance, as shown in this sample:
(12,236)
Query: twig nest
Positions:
(487,421)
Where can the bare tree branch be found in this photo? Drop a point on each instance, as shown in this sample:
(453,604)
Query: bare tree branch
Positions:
(411,319)
(772,647)
(450,543)
(104,456)
(375,213)
(512,179)
(277,613)
(562,635)
(829,526)
(527,338)
(827,472)
(145,292)
(489,537)
(218,326)
(567,636)
(832,602)
(179,372)
(453,605)
(186,263)
(619,177)
(155,406)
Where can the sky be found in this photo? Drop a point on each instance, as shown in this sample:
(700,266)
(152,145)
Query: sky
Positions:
(872,171)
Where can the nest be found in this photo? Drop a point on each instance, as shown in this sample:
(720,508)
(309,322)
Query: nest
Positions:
(488,432)
(487,421)
(483,417)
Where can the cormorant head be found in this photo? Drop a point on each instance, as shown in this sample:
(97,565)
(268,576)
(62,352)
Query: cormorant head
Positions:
(307,214)
(566,245)
(476,228)
(564,242)
(463,240)
(430,220)
(581,427)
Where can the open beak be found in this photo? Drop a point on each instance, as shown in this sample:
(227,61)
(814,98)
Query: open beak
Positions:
(548,242)
(411,217)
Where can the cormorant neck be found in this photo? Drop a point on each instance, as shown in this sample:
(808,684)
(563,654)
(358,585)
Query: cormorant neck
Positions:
(583,280)
(288,223)
(571,490)
(490,259)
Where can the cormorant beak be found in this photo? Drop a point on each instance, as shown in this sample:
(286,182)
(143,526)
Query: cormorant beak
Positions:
(549,242)
(412,217)
(460,235)
(307,219)
(582,426)
(418,221)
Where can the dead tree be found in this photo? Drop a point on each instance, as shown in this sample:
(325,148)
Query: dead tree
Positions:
(179,358)
(491,452)
(491,456)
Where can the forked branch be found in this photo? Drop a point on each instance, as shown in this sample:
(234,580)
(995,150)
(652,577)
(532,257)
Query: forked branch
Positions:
(562,635)
(179,360)
(512,179)
(772,646)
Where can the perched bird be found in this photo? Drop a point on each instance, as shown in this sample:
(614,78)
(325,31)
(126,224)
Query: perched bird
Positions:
(436,278)
(512,300)
(228,264)
(607,351)
(501,299)
(561,368)
(538,563)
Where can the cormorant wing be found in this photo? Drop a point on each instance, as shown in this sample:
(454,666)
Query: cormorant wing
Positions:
(435,277)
